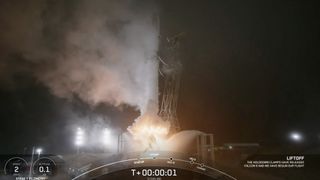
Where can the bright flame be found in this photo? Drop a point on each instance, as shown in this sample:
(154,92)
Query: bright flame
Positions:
(154,130)
(149,132)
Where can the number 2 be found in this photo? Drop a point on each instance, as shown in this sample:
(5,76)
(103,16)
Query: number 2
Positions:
(16,169)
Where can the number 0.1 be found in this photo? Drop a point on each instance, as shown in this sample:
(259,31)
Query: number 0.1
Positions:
(44,169)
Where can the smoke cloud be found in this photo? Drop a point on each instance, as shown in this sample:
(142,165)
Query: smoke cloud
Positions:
(99,51)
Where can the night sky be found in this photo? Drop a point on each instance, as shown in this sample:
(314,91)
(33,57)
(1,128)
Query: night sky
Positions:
(250,74)
(251,68)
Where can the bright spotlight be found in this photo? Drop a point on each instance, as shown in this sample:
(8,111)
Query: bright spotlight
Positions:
(79,137)
(79,132)
(39,150)
(79,141)
(106,136)
(295,136)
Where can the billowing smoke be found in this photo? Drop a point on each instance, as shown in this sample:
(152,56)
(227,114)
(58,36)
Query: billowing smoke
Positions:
(100,51)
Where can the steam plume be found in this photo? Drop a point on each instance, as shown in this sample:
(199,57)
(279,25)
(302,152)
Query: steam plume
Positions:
(100,51)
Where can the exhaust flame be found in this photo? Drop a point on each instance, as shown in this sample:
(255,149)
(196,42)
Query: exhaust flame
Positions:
(149,131)
(154,130)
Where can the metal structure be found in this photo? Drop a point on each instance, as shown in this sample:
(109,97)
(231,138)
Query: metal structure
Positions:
(121,143)
(170,70)
(205,148)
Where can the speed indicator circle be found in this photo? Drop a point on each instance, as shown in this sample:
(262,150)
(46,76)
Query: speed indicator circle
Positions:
(15,166)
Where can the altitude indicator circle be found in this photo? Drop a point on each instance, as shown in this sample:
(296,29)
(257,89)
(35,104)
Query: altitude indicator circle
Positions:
(44,167)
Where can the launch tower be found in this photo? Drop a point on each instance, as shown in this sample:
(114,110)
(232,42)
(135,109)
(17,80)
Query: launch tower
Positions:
(170,70)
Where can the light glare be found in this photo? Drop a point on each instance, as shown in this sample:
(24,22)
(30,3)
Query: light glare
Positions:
(106,136)
(79,141)
(296,136)
(39,150)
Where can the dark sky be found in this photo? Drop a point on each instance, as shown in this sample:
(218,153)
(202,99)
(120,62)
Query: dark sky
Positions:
(250,74)
(250,68)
